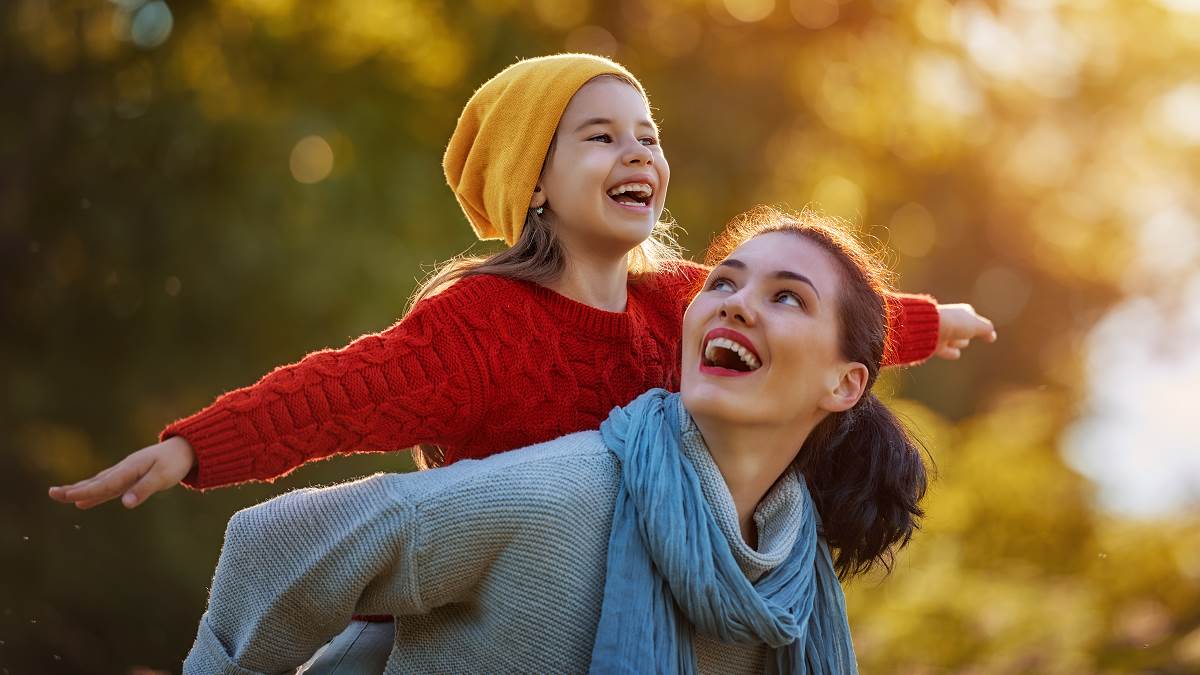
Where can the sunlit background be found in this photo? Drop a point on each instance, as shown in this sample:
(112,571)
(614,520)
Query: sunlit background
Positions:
(194,193)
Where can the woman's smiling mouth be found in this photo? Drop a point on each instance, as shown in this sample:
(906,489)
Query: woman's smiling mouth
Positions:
(728,353)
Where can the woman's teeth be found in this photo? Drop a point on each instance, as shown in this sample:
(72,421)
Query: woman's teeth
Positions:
(713,354)
(631,193)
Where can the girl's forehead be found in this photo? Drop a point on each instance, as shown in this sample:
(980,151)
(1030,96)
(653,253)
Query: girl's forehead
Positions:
(610,98)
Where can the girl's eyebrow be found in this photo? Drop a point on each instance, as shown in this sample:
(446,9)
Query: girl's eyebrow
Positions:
(605,120)
(781,274)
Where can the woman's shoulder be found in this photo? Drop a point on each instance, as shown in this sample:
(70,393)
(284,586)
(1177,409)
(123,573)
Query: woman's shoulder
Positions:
(558,472)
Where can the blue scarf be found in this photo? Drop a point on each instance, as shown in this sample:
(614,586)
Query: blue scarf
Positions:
(670,567)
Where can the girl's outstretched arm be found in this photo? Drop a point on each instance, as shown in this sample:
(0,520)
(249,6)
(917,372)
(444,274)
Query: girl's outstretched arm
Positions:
(958,324)
(420,381)
(919,328)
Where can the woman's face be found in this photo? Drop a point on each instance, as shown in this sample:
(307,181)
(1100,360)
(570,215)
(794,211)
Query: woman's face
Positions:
(760,341)
(605,181)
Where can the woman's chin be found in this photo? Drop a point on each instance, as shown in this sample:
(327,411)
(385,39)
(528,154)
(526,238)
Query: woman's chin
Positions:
(718,403)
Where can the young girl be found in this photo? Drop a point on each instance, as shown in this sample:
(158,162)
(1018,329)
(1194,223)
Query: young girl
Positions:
(691,533)
(558,156)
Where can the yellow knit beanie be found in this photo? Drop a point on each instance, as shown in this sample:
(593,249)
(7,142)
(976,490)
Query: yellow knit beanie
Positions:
(496,153)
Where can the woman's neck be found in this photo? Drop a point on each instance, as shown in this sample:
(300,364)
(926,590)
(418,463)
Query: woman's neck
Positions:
(751,459)
(600,283)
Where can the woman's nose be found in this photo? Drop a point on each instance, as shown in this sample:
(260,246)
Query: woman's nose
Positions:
(737,309)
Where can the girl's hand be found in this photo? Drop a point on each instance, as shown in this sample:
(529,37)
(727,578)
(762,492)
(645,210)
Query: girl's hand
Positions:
(958,325)
(149,470)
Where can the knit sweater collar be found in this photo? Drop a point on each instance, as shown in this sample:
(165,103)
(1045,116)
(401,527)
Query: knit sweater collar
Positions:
(588,318)
(778,516)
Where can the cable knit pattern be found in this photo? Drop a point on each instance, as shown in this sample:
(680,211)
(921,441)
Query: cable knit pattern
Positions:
(488,365)
(491,566)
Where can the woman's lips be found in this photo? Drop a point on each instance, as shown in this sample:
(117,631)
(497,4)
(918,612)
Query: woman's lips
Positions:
(735,337)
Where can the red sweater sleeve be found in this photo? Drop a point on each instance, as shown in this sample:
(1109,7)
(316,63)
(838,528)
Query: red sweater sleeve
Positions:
(912,329)
(912,319)
(416,382)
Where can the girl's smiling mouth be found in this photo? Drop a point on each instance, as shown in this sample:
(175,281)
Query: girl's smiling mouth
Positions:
(636,192)
(728,353)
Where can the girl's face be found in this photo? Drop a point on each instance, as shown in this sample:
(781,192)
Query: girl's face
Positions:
(605,181)
(760,341)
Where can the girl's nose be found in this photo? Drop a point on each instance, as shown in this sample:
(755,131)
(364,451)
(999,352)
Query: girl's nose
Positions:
(637,154)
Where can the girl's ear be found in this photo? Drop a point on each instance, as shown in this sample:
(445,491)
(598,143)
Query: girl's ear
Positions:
(539,197)
(851,385)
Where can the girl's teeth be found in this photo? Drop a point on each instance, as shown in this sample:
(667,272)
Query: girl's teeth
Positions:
(642,189)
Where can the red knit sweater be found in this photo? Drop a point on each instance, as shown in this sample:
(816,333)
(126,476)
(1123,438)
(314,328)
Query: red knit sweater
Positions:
(490,364)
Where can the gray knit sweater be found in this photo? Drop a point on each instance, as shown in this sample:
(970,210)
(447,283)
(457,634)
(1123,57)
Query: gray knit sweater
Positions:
(488,566)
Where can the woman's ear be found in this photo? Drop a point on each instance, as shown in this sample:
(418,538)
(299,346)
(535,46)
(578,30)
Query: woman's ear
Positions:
(539,197)
(851,385)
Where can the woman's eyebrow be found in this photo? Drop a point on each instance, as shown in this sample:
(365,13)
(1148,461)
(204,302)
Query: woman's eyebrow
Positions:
(781,274)
(795,276)
(604,120)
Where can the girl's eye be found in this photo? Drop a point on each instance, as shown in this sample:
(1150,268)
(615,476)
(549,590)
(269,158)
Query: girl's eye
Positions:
(790,298)
(720,284)
(604,138)
(649,140)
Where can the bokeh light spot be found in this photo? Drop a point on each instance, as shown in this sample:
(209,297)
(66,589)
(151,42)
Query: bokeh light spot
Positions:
(815,14)
(912,230)
(674,34)
(1179,113)
(311,160)
(840,196)
(1001,293)
(1182,6)
(561,14)
(151,25)
(749,11)
(591,40)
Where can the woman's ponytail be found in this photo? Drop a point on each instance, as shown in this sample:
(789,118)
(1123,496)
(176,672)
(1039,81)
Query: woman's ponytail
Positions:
(867,478)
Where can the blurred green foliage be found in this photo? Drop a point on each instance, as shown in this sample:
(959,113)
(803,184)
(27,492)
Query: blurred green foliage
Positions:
(193,193)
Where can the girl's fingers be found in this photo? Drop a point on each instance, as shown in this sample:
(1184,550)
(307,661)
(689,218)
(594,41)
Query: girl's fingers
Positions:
(947,352)
(65,489)
(148,485)
(102,489)
(985,329)
(89,503)
(68,492)
(960,344)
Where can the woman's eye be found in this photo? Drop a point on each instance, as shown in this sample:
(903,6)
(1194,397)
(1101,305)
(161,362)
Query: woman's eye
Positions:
(604,138)
(789,298)
(720,284)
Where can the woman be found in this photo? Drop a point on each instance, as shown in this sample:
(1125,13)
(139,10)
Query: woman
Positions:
(692,532)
